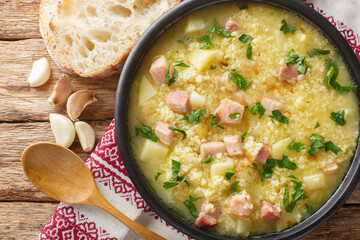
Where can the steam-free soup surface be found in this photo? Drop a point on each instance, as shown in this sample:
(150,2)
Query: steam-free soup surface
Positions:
(270,131)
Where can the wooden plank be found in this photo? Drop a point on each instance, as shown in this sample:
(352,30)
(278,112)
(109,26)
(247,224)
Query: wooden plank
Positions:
(19,19)
(14,185)
(15,223)
(19,102)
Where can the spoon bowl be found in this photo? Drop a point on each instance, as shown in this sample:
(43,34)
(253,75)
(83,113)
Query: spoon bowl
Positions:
(62,175)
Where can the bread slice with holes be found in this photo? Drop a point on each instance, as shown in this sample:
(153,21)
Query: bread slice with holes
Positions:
(91,38)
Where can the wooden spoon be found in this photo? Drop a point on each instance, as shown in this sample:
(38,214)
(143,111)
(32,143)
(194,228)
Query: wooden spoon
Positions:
(61,174)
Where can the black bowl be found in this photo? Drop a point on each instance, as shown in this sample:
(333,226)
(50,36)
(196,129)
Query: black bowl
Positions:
(122,133)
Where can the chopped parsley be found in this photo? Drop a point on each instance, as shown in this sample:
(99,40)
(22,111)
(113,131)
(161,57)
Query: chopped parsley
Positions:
(183,40)
(287,28)
(292,58)
(286,163)
(258,108)
(235,115)
(277,115)
(177,130)
(332,71)
(249,51)
(268,168)
(207,40)
(296,196)
(257,169)
(229,174)
(175,168)
(146,132)
(243,137)
(180,63)
(248,173)
(189,204)
(310,209)
(208,160)
(170,80)
(215,122)
(295,146)
(195,116)
(317,125)
(233,187)
(243,6)
(317,143)
(157,175)
(239,80)
(317,51)
(332,147)
(220,31)
(245,39)
(213,67)
(168,185)
(338,117)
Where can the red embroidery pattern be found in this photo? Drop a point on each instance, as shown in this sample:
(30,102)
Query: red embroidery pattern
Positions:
(109,171)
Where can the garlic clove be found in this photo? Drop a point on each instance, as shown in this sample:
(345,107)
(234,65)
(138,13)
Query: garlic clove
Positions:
(61,91)
(86,135)
(40,73)
(63,129)
(78,101)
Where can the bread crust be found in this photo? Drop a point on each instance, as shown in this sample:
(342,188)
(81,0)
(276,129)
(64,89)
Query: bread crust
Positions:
(63,61)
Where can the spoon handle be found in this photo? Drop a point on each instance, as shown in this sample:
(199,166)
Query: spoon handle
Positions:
(140,230)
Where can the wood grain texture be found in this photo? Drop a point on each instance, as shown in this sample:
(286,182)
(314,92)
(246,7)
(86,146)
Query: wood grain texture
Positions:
(19,19)
(19,102)
(14,185)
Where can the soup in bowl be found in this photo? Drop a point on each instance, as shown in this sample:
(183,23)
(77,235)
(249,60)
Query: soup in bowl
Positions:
(243,118)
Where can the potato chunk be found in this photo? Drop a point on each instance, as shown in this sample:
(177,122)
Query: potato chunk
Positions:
(194,23)
(147,91)
(196,100)
(279,148)
(314,181)
(153,151)
(219,169)
(200,59)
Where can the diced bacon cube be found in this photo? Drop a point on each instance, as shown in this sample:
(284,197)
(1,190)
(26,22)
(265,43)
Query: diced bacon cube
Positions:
(231,25)
(240,205)
(269,212)
(178,101)
(211,148)
(227,107)
(233,145)
(163,132)
(288,73)
(208,218)
(158,69)
(262,155)
(331,168)
(270,105)
(240,97)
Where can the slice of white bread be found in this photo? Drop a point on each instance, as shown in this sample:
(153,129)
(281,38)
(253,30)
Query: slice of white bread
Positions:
(91,38)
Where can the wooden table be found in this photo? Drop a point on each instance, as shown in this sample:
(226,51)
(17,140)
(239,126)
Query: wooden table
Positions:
(24,111)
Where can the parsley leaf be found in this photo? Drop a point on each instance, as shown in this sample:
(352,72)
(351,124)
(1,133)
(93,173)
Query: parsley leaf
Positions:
(239,80)
(206,39)
(317,143)
(180,63)
(268,168)
(146,132)
(168,185)
(292,58)
(332,147)
(177,130)
(286,163)
(317,51)
(257,169)
(296,146)
(245,39)
(233,187)
(182,40)
(235,115)
(195,116)
(249,51)
(175,167)
(332,72)
(215,122)
(213,67)
(170,80)
(310,209)
(157,175)
(297,195)
(258,108)
(248,173)
(243,6)
(229,174)
(243,137)
(220,31)
(191,206)
(208,160)
(293,177)
(338,117)
(287,28)
(277,115)
(317,125)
